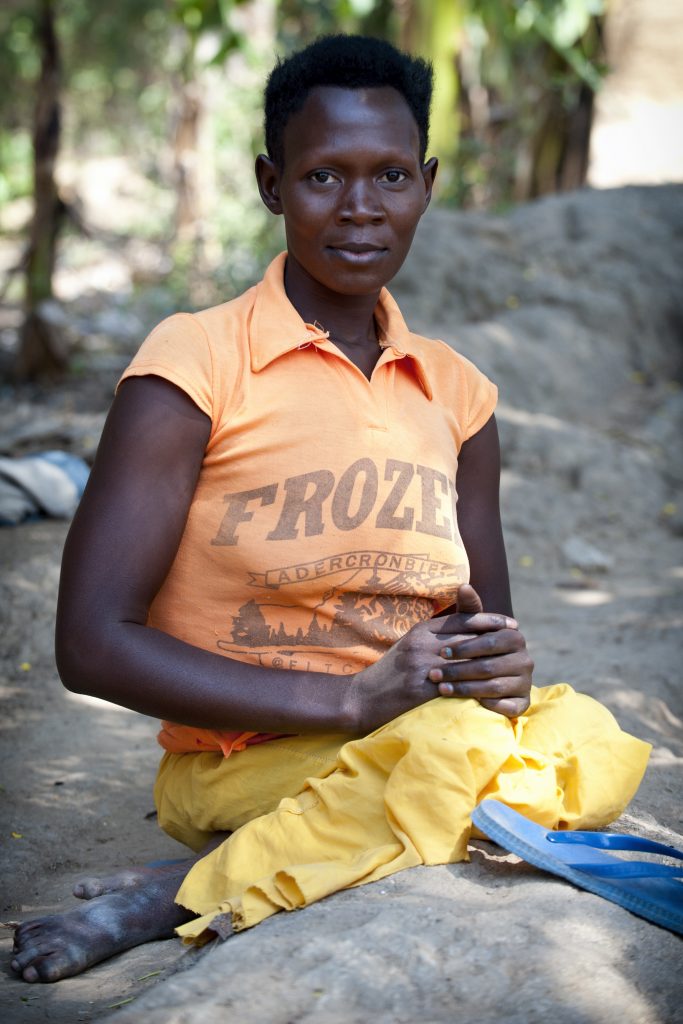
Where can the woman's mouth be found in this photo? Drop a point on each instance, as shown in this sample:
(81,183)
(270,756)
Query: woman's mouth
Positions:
(357,253)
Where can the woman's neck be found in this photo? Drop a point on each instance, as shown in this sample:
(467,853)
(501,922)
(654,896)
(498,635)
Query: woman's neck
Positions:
(349,319)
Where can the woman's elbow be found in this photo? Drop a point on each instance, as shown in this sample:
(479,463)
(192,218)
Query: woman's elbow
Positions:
(82,657)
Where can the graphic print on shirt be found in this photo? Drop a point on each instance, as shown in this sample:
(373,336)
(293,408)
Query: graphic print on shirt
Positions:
(378,596)
(419,499)
(359,599)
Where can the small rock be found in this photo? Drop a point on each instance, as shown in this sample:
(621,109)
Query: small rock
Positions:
(673,520)
(579,554)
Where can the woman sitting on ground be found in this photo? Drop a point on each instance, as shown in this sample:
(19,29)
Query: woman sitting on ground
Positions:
(268,557)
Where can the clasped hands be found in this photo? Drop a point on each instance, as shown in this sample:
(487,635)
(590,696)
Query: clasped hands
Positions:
(466,653)
(484,656)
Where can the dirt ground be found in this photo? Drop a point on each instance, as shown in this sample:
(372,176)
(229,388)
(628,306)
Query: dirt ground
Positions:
(76,774)
(593,461)
(76,777)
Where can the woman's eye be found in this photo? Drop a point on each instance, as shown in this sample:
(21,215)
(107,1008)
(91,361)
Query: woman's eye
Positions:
(322,177)
(394,177)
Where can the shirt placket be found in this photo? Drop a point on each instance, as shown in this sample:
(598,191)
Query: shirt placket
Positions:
(372,396)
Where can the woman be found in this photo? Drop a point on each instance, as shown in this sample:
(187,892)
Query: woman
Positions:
(268,558)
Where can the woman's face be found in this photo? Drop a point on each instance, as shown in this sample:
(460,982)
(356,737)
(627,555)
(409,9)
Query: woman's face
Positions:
(352,188)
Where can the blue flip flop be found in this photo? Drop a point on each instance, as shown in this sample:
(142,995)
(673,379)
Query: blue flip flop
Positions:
(649,889)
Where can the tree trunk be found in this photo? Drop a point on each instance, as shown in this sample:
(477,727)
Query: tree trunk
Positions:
(559,149)
(186,161)
(560,146)
(41,350)
(433,29)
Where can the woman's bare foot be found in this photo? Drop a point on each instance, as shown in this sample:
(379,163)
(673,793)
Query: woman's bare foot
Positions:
(128,878)
(61,945)
(134,906)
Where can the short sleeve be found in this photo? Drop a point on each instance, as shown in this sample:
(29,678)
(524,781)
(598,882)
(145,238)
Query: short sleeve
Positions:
(482,397)
(178,350)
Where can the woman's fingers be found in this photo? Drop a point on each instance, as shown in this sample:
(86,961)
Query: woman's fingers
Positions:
(506,694)
(483,656)
(510,707)
(513,666)
(482,645)
(482,622)
(495,688)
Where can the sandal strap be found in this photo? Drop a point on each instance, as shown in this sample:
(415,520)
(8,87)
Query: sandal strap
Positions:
(614,841)
(631,869)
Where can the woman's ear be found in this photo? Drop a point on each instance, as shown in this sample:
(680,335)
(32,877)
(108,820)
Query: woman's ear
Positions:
(268,180)
(429,174)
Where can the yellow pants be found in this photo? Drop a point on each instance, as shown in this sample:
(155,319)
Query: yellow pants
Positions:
(313,814)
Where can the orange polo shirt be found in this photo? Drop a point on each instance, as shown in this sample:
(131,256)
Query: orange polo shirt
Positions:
(323,525)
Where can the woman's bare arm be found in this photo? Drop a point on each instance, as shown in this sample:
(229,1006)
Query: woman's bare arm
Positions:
(119,549)
(478,487)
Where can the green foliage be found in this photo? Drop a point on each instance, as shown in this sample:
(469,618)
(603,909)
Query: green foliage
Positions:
(562,24)
(19,62)
(533,66)
(125,66)
(15,165)
(19,70)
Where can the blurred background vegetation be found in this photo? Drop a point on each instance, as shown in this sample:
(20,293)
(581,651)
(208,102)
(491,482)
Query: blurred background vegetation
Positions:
(131,129)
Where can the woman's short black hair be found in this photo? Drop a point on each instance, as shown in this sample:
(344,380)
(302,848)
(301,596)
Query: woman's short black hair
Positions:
(353,62)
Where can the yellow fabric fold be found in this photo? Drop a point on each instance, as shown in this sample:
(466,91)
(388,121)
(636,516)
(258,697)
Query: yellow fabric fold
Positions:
(403,796)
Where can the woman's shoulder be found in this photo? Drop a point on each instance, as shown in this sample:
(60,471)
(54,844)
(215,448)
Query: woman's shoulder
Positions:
(456,382)
(199,352)
(231,316)
(440,357)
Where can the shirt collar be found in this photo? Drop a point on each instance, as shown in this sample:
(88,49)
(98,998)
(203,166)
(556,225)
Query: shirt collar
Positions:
(276,328)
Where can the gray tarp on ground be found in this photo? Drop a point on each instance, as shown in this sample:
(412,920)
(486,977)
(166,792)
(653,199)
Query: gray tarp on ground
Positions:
(49,483)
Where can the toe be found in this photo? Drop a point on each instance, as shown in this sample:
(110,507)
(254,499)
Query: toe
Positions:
(88,888)
(52,968)
(40,965)
(45,968)
(24,959)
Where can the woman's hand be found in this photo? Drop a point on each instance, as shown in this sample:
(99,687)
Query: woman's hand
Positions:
(417,668)
(491,665)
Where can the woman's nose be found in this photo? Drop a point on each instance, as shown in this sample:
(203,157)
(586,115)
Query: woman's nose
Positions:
(360,203)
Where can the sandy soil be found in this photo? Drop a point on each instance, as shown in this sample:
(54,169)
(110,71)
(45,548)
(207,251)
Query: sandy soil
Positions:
(494,939)
(76,779)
